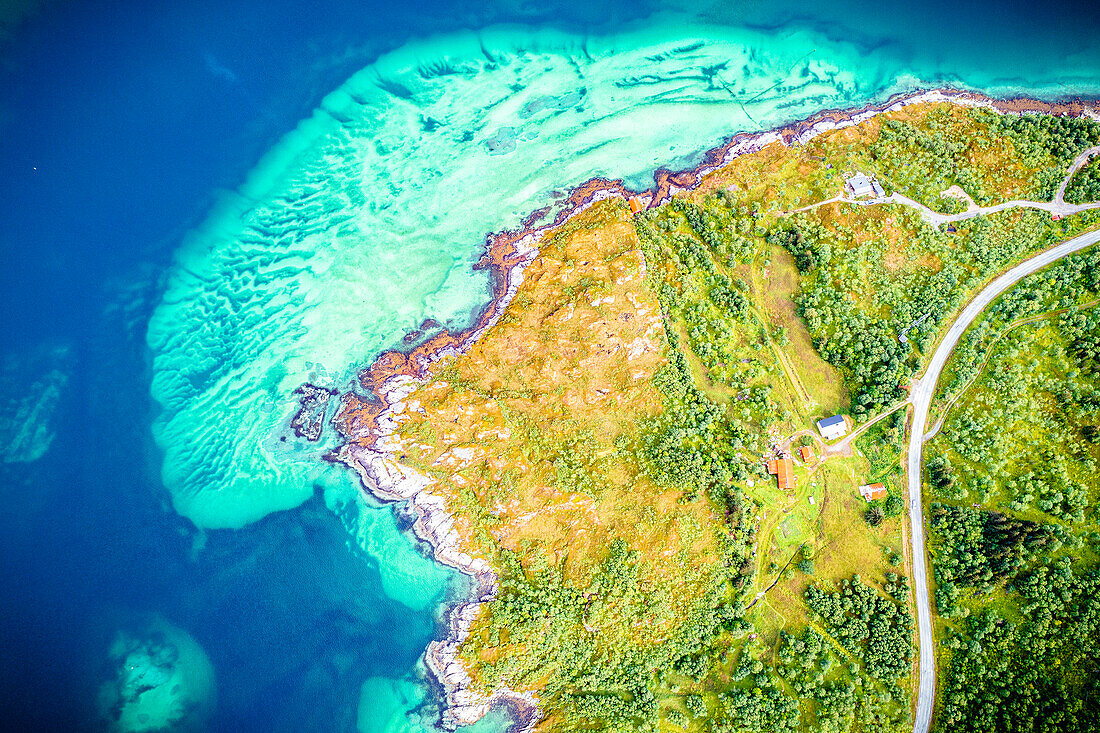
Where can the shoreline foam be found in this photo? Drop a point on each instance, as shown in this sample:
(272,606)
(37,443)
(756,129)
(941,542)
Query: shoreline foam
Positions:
(366,422)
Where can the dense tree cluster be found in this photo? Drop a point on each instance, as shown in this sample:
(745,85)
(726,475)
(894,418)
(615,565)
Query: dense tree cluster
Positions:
(1049,487)
(942,478)
(1038,675)
(866,623)
(758,709)
(978,548)
(1083,331)
(732,303)
(1040,136)
(995,242)
(808,663)
(726,232)
(1085,186)
(598,677)
(694,444)
(856,320)
(809,253)
(866,348)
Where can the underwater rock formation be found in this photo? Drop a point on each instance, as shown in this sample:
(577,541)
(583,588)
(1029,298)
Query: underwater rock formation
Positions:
(157,679)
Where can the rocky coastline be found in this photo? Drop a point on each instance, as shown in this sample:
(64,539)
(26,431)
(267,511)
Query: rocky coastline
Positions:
(366,420)
(390,481)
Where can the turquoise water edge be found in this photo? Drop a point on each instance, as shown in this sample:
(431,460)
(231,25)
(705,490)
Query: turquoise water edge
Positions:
(353,228)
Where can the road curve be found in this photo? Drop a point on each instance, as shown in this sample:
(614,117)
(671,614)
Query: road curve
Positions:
(921,397)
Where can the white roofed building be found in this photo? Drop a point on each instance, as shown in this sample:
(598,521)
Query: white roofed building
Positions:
(861,185)
(833,427)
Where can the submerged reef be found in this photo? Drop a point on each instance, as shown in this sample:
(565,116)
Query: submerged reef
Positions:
(32,385)
(157,679)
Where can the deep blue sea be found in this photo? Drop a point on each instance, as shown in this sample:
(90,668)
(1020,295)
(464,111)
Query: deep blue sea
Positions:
(123,125)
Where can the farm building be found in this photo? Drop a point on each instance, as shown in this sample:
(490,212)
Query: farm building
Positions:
(783,470)
(806,453)
(833,427)
(870,492)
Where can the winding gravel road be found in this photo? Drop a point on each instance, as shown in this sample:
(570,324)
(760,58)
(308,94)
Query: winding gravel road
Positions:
(1057,207)
(921,397)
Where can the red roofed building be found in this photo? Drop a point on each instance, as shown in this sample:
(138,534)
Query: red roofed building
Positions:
(783,470)
(806,453)
(871,492)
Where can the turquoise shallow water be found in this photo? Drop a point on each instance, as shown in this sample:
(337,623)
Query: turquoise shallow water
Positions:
(310,602)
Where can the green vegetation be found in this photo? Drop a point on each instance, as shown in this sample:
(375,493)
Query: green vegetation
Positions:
(856,305)
(980,549)
(949,146)
(882,444)
(1084,187)
(1043,140)
(603,446)
(612,684)
(926,159)
(1018,434)
(874,515)
(694,444)
(877,629)
(867,273)
(1016,573)
(1038,672)
(697,249)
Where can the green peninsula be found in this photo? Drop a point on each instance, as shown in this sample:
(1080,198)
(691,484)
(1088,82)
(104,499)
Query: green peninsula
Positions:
(605,446)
